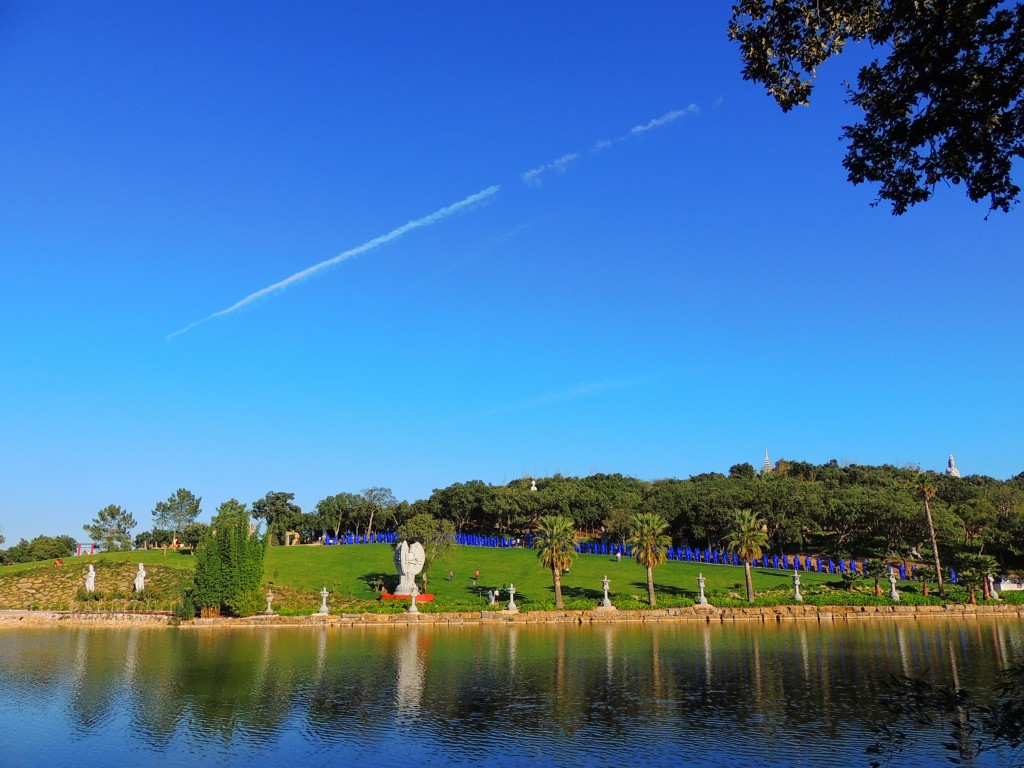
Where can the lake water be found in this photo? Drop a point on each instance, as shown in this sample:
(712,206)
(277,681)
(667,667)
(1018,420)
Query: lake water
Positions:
(796,694)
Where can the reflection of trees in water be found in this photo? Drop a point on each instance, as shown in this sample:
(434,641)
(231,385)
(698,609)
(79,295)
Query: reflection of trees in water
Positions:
(559,683)
(622,683)
(356,694)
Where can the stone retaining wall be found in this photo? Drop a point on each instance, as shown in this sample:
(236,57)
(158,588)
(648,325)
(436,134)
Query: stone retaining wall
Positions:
(489,618)
(8,618)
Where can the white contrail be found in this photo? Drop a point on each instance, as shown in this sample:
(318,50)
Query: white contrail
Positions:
(668,117)
(367,246)
(586,389)
(533,175)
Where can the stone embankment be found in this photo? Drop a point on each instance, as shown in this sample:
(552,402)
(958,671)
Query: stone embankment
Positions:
(776,614)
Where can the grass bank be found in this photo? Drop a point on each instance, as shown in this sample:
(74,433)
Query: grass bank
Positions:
(349,573)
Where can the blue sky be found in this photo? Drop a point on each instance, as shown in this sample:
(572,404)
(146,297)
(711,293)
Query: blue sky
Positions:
(687,280)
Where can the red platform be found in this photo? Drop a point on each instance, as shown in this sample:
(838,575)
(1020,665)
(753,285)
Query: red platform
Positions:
(420,598)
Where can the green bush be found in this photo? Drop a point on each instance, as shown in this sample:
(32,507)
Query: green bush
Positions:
(186,609)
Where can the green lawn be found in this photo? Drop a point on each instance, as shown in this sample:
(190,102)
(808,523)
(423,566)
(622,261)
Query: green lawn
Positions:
(350,571)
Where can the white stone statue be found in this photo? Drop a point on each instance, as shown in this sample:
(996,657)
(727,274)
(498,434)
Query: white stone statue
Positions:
(893,594)
(951,468)
(701,600)
(796,587)
(992,587)
(605,583)
(140,578)
(512,598)
(90,578)
(409,559)
(270,600)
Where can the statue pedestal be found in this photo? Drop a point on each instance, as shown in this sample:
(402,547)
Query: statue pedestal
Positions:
(422,597)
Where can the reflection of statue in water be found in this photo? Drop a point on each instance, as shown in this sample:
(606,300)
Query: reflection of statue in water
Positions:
(90,579)
(140,578)
(409,560)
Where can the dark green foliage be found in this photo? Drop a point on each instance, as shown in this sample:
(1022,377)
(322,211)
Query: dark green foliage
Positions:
(850,578)
(280,515)
(942,103)
(158,537)
(337,513)
(193,534)
(186,609)
(827,509)
(436,536)
(40,548)
(555,541)
(229,564)
(110,528)
(181,508)
(378,506)
(88,597)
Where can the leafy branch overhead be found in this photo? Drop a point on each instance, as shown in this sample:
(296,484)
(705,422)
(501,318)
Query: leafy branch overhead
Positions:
(942,102)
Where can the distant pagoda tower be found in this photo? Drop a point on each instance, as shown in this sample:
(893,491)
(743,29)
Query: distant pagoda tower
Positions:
(951,469)
(767,468)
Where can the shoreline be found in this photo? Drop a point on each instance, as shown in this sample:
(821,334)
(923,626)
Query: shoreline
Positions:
(707,615)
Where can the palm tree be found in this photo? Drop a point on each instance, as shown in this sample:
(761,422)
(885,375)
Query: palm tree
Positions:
(650,545)
(748,537)
(555,543)
(928,491)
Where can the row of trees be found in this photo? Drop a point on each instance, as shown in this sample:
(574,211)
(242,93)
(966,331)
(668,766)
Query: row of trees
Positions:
(175,520)
(827,509)
(815,509)
(39,548)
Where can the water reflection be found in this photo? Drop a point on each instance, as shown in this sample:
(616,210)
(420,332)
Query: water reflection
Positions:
(800,693)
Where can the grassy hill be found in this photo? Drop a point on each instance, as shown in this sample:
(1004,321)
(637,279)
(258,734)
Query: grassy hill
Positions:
(297,574)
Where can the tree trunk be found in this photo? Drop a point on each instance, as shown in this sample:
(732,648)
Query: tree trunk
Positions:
(925,582)
(878,588)
(650,587)
(973,600)
(935,547)
(556,577)
(985,591)
(750,581)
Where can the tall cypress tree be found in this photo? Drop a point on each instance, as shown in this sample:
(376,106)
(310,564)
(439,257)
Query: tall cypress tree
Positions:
(229,566)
